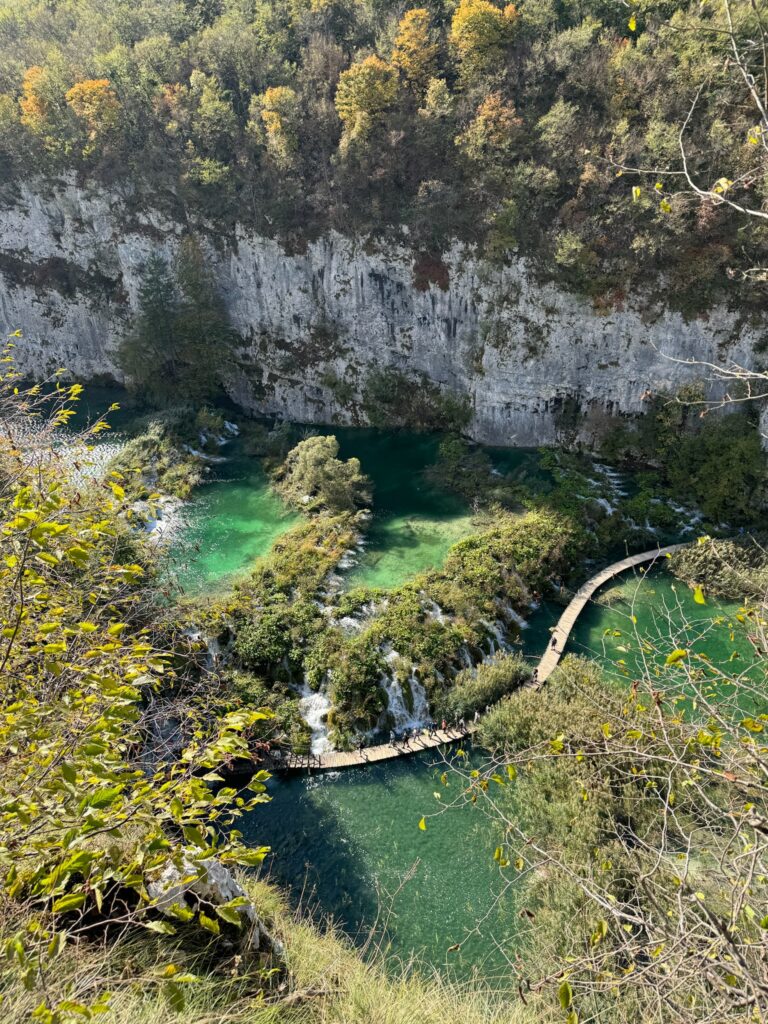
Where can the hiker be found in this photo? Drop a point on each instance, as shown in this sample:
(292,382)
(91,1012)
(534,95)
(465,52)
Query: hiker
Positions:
(554,643)
(444,725)
(462,725)
(476,719)
(392,738)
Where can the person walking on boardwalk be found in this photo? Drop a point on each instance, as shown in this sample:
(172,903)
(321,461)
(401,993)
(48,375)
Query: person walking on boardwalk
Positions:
(392,738)
(444,725)
(476,719)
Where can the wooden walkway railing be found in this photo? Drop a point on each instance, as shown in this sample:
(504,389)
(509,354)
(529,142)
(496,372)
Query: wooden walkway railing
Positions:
(547,664)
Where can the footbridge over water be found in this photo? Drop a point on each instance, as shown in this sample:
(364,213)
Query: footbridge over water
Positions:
(387,751)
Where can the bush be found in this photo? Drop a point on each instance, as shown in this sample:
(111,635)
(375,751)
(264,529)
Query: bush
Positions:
(475,688)
(313,479)
(735,569)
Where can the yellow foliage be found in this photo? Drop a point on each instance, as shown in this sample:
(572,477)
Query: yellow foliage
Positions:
(94,102)
(279,110)
(480,30)
(414,54)
(365,92)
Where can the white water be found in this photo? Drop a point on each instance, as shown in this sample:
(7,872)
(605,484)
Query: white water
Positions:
(402,716)
(313,707)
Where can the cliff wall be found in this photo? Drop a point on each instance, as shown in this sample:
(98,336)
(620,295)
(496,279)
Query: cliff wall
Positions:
(317,323)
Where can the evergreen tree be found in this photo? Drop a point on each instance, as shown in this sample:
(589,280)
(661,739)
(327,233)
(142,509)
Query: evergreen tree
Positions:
(149,354)
(180,345)
(205,336)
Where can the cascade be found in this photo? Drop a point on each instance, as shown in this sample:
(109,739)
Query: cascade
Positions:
(313,707)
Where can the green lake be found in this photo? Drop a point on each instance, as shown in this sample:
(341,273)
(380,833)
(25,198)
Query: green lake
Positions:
(347,845)
(235,517)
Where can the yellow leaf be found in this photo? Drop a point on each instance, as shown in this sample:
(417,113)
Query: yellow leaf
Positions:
(423,824)
(698,595)
(632,23)
(676,656)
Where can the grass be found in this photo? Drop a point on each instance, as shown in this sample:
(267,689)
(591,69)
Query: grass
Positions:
(326,982)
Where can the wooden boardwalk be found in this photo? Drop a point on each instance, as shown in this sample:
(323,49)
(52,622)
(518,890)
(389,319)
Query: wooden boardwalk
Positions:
(368,755)
(566,622)
(547,664)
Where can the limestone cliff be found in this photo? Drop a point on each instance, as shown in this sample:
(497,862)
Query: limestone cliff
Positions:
(315,324)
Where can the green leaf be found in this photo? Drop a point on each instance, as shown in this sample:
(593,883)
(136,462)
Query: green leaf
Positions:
(565,995)
(676,656)
(250,858)
(209,923)
(161,927)
(71,901)
(230,915)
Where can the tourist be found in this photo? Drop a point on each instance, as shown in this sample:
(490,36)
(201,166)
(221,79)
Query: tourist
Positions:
(554,643)
(462,725)
(476,719)
(444,725)
(392,738)
(487,708)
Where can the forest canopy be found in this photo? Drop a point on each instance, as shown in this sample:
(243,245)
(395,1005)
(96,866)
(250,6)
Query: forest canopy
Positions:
(517,127)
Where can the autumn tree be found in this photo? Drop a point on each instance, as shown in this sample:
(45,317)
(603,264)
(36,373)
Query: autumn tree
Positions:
(278,112)
(414,53)
(480,32)
(43,110)
(365,93)
(95,103)
(493,135)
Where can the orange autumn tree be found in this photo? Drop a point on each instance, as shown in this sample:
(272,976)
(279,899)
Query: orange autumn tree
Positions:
(94,102)
(42,110)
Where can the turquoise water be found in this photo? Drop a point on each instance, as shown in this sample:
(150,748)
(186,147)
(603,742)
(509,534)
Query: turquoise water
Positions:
(229,523)
(666,617)
(348,846)
(234,519)
(414,523)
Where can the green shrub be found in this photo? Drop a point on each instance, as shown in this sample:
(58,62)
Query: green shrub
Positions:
(473,689)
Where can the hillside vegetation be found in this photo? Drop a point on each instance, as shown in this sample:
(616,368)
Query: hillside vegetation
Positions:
(519,127)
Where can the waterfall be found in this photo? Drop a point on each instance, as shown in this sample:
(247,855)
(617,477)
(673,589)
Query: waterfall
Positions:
(404,717)
(313,707)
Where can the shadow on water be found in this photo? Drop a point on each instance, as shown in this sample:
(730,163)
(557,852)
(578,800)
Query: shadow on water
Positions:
(347,846)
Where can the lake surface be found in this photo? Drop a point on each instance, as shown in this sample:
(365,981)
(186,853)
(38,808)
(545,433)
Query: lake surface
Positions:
(348,846)
(235,517)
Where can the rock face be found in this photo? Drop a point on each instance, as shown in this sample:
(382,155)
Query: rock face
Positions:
(528,356)
(211,885)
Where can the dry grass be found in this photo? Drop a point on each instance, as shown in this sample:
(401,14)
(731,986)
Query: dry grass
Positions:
(327,983)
